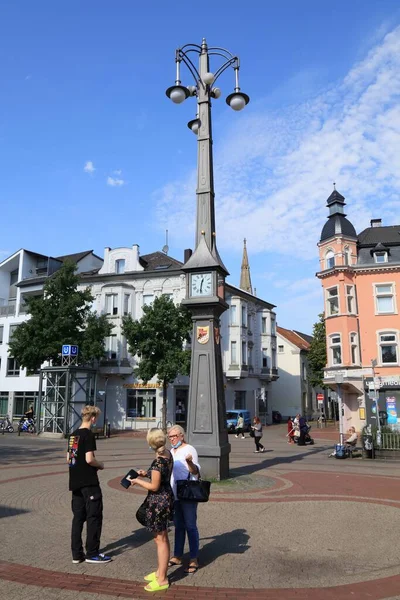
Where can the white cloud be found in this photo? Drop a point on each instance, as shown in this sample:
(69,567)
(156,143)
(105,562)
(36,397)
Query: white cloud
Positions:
(115,182)
(300,285)
(117,172)
(274,171)
(89,167)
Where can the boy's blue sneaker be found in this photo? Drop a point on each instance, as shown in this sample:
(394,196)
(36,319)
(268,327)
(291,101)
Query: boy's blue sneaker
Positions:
(100,558)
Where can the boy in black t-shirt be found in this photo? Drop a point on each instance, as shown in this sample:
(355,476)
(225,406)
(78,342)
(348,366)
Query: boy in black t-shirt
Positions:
(87,500)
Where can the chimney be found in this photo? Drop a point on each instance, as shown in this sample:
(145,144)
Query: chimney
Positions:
(187,254)
(376,222)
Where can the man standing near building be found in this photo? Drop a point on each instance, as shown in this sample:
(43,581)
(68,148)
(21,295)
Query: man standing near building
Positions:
(87,500)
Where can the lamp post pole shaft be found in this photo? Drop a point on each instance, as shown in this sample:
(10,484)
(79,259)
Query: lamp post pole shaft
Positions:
(205,176)
(340,406)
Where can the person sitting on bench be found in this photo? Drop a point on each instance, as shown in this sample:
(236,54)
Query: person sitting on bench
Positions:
(351,441)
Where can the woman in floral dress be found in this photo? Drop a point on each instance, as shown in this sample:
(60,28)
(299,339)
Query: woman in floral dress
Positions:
(159,506)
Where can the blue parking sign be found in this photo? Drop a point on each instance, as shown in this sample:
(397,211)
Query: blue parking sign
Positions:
(66,350)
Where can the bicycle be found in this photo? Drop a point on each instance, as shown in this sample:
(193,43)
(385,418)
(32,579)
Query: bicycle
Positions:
(159,424)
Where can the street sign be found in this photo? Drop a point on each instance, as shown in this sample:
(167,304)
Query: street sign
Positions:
(320,397)
(68,350)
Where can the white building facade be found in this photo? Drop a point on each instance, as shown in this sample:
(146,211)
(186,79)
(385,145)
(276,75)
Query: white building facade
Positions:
(293,392)
(18,388)
(122,284)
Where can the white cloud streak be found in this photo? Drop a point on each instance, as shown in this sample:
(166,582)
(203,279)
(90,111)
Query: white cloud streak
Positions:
(89,167)
(275,170)
(115,182)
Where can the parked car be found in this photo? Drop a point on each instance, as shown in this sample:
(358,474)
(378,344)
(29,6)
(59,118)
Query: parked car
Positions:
(232,417)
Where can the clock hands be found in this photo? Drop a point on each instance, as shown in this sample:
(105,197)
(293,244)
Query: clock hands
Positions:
(201,284)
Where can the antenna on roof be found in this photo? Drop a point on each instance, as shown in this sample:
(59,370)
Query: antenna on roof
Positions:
(166,247)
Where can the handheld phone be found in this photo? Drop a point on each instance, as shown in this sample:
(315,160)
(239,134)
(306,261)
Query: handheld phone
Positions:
(131,475)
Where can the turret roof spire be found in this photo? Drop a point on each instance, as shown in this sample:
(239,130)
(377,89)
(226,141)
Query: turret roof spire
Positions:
(245,279)
(337,223)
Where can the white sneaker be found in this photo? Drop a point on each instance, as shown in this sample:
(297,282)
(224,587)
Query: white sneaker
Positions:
(256,452)
(236,436)
(243,438)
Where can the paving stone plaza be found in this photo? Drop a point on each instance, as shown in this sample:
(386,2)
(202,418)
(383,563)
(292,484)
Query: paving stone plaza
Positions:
(291,524)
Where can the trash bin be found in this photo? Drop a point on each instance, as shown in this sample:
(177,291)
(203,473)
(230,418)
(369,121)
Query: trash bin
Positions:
(368,446)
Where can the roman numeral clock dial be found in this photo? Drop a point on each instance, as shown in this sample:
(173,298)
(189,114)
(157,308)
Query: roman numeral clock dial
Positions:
(201,284)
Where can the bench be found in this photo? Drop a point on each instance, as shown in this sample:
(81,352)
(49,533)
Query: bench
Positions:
(98,431)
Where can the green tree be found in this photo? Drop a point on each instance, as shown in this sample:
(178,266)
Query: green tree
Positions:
(97,328)
(317,353)
(158,340)
(61,316)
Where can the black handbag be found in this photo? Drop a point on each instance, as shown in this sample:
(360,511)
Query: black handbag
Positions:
(252,434)
(193,490)
(141,513)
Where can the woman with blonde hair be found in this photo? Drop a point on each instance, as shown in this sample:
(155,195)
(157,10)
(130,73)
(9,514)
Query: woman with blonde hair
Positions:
(186,464)
(159,506)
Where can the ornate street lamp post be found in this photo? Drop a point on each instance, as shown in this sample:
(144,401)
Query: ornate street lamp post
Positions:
(205,271)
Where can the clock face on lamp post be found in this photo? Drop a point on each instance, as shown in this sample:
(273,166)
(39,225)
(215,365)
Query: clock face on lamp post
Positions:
(201,284)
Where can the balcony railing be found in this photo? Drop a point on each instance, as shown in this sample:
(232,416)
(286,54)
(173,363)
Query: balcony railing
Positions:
(115,362)
(269,372)
(7,310)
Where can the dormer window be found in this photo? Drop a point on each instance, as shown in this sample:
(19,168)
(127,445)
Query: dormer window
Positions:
(120,266)
(329,260)
(381,257)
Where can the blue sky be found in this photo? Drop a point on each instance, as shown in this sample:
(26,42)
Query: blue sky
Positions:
(93,154)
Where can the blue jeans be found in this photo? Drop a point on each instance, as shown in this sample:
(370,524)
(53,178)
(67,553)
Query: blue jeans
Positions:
(185,521)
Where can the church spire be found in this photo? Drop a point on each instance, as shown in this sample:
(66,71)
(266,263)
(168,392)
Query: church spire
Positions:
(245,279)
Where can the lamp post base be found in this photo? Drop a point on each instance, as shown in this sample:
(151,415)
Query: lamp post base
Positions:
(214,462)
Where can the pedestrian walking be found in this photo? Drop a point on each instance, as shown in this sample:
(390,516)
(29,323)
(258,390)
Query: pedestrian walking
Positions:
(240,426)
(159,505)
(87,499)
(186,464)
(257,428)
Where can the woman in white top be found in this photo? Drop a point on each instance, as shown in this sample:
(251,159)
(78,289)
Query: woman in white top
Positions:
(185,513)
